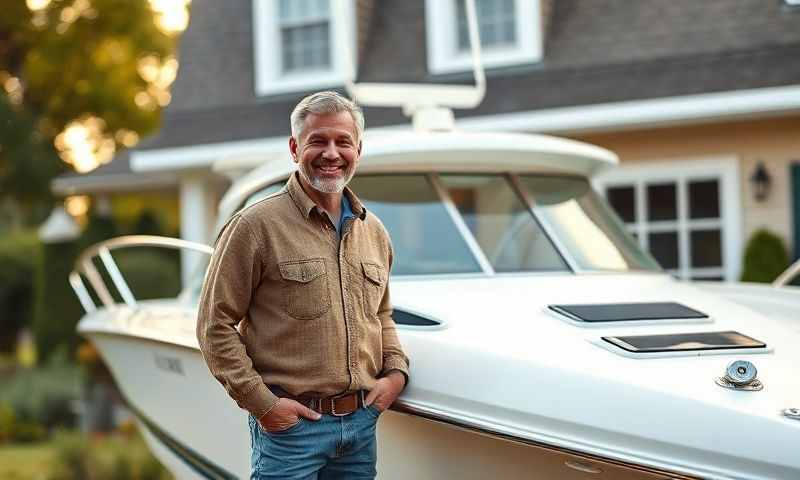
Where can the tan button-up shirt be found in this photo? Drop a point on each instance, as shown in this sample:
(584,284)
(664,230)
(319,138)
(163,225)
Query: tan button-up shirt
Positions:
(286,302)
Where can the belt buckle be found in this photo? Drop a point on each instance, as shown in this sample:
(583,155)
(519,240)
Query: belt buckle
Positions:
(333,408)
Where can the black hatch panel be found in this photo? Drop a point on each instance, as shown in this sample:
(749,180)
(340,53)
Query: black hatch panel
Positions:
(685,342)
(402,317)
(626,312)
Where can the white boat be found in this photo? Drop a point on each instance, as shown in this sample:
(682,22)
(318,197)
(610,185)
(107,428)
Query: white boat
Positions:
(507,263)
(544,343)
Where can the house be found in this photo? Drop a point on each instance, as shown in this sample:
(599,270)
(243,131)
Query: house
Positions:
(698,98)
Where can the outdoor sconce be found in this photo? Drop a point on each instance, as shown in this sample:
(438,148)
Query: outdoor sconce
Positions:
(761,182)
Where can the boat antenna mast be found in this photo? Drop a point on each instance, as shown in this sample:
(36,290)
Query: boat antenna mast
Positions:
(429,105)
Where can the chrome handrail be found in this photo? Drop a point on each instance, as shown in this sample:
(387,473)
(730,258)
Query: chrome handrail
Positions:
(787,275)
(85,267)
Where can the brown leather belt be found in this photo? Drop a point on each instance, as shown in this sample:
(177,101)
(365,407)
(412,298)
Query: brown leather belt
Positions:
(336,405)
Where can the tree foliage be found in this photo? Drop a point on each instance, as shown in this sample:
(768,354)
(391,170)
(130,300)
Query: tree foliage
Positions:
(63,61)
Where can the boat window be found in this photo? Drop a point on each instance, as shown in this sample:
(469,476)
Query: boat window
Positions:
(424,237)
(621,312)
(684,342)
(585,225)
(502,224)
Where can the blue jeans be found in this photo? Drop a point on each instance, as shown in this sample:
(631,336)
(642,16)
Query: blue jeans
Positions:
(326,449)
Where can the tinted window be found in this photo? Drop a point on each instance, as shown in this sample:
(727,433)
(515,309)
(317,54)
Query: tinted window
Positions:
(425,239)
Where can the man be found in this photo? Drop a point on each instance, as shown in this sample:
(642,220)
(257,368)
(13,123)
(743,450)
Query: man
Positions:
(295,316)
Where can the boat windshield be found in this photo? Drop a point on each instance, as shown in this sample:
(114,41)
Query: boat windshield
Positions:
(497,223)
(493,223)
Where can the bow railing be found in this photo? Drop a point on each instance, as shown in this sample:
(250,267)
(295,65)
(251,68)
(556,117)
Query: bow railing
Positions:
(85,267)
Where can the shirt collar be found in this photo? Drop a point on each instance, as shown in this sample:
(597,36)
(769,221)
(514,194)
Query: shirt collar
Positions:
(306,205)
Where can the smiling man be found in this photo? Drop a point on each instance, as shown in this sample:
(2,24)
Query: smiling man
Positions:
(295,317)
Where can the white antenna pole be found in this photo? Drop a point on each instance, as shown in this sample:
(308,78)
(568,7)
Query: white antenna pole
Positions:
(428,104)
(475,48)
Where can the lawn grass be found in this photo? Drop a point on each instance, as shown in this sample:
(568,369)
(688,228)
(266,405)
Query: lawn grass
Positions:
(25,461)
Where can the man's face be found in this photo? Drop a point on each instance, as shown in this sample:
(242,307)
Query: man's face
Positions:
(327,151)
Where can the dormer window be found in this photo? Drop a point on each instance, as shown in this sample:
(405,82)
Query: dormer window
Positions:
(496,24)
(295,45)
(510,30)
(305,35)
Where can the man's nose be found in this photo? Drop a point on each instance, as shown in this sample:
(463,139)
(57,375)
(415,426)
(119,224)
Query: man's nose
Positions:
(330,151)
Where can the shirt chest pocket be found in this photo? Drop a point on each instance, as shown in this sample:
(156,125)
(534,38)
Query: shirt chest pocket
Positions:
(374,286)
(305,292)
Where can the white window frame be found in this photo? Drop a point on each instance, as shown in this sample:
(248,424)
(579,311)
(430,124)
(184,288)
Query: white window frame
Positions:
(680,172)
(442,38)
(269,77)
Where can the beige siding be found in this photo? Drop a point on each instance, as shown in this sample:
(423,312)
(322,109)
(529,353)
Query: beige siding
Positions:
(775,141)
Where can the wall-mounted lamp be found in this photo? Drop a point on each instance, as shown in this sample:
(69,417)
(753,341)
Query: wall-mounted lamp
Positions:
(761,182)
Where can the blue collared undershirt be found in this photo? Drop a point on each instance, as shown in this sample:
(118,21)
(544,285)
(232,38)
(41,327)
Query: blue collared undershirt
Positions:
(347,212)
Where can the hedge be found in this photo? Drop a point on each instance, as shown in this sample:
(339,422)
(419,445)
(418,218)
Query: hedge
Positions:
(19,253)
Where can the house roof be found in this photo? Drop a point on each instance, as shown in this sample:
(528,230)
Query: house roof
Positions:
(595,52)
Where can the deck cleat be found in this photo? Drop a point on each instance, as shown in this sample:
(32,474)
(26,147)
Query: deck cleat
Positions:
(740,375)
(793,413)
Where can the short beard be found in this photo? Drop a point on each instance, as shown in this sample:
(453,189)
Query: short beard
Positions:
(327,186)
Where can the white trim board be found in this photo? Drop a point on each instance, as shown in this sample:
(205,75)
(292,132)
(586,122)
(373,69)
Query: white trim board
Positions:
(606,116)
(204,155)
(644,113)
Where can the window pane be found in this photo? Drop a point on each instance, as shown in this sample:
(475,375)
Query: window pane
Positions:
(495,23)
(623,201)
(305,47)
(706,248)
(299,10)
(664,246)
(586,225)
(503,226)
(425,239)
(661,203)
(704,199)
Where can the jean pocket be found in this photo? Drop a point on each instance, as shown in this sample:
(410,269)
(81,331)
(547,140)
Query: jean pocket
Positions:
(374,410)
(285,431)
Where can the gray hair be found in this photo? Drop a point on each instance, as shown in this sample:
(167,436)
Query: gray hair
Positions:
(324,103)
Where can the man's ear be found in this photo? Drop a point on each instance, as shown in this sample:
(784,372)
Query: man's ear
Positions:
(293,148)
(359,147)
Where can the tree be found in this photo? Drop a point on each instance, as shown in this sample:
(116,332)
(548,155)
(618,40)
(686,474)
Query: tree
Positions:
(81,79)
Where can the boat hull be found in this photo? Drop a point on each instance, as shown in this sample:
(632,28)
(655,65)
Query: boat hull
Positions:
(194,428)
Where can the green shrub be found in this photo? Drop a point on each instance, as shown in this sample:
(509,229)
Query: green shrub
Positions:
(42,398)
(7,422)
(117,457)
(765,257)
(18,256)
(56,309)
